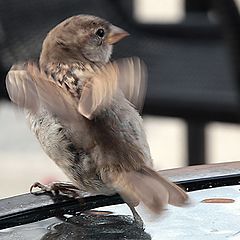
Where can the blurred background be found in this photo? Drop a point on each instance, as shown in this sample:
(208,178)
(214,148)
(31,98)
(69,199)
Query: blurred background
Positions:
(192,50)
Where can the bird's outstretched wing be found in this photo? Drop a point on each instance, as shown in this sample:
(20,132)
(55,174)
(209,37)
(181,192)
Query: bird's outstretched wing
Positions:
(30,88)
(22,90)
(127,75)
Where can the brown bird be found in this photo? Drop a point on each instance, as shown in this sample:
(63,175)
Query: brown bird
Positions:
(81,108)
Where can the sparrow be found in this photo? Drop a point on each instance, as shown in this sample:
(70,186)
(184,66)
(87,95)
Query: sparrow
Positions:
(82,107)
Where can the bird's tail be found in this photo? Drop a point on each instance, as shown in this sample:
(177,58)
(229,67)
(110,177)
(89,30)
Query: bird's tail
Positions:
(149,187)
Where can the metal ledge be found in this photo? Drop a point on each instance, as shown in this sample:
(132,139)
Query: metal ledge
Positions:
(29,208)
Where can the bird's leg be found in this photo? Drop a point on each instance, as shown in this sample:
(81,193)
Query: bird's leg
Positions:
(138,220)
(55,188)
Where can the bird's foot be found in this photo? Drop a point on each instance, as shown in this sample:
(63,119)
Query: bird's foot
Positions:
(56,188)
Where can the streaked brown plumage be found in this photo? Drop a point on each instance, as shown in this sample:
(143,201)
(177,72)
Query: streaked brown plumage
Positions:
(81,108)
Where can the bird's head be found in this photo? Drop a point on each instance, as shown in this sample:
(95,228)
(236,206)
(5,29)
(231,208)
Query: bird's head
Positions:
(81,38)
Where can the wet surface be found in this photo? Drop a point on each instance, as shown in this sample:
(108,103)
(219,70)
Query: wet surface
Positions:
(97,227)
(199,220)
(92,226)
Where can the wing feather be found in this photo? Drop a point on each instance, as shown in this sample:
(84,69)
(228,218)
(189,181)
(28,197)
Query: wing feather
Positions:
(127,75)
(29,87)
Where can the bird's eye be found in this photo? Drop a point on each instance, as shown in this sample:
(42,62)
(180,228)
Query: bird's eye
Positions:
(100,32)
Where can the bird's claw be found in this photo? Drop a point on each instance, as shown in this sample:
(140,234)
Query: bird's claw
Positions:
(56,188)
(44,188)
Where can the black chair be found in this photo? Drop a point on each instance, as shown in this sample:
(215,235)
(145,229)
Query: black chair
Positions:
(192,65)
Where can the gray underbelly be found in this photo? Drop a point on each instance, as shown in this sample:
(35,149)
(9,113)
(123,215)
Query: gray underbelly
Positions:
(56,140)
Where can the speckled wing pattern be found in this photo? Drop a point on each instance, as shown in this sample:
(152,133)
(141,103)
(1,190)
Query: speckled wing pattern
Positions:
(67,90)
(31,88)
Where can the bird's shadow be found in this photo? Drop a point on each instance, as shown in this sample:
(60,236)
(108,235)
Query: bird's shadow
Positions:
(92,224)
(95,225)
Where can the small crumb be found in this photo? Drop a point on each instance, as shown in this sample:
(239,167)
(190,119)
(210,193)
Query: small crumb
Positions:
(218,200)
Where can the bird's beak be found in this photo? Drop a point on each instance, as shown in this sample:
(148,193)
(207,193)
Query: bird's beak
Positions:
(116,34)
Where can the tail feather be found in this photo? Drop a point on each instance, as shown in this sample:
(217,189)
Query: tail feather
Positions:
(148,187)
(177,196)
(148,191)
